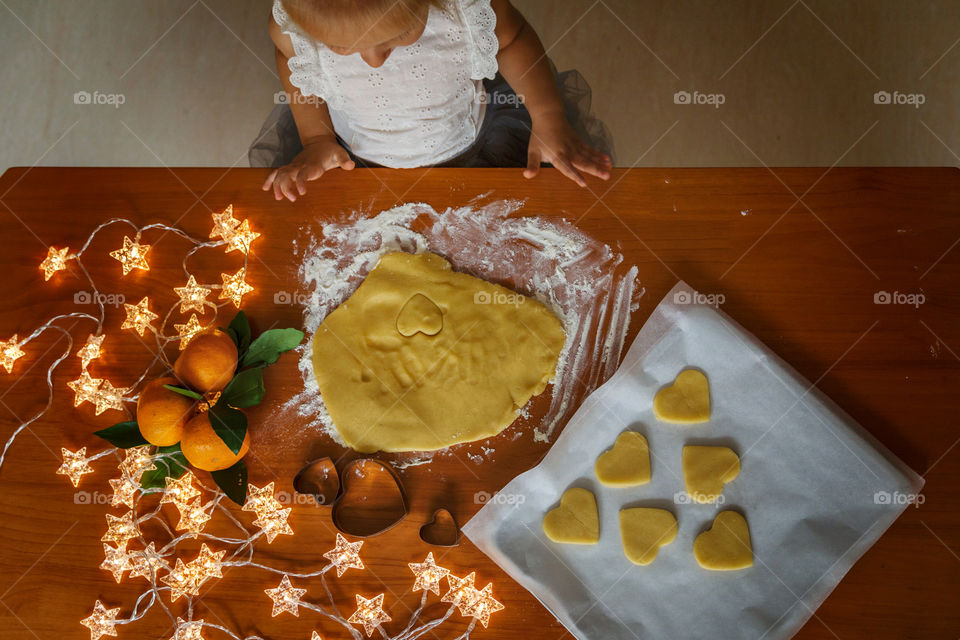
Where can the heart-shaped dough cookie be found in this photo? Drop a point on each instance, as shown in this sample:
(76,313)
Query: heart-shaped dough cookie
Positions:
(686,401)
(627,463)
(420,314)
(726,545)
(707,469)
(575,521)
(644,531)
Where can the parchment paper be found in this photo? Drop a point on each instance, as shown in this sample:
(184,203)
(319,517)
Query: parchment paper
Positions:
(816,489)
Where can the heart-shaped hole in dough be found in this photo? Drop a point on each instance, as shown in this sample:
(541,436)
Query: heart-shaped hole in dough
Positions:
(627,463)
(419,314)
(686,401)
(706,469)
(726,545)
(575,521)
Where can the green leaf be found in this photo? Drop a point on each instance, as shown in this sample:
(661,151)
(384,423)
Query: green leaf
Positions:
(240,326)
(268,346)
(233,336)
(184,392)
(233,481)
(230,424)
(245,390)
(123,435)
(173,466)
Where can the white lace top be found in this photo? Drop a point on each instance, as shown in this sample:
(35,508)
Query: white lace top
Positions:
(424,105)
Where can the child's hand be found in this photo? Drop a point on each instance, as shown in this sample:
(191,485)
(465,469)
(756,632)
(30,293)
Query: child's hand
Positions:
(311,163)
(553,140)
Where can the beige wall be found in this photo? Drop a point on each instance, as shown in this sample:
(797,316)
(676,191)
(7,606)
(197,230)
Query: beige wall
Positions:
(797,77)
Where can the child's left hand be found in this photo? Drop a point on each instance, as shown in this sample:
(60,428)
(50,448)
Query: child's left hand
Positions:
(553,140)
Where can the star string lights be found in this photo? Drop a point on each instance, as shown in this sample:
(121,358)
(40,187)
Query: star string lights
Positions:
(428,574)
(139,317)
(188,331)
(56,260)
(91,350)
(74,465)
(235,287)
(346,555)
(10,352)
(369,613)
(193,297)
(132,549)
(102,622)
(285,597)
(132,255)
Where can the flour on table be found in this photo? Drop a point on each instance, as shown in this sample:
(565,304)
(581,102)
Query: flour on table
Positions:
(581,279)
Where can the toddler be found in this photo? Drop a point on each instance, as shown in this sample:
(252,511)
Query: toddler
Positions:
(401,83)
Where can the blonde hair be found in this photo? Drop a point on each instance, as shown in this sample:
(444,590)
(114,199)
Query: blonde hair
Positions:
(318,16)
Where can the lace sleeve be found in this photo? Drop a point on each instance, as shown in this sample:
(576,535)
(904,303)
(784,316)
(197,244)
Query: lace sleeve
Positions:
(479,21)
(306,67)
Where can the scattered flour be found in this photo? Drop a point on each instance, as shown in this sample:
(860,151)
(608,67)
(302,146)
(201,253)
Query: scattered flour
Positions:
(582,280)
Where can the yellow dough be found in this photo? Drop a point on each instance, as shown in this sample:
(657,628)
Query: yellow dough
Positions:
(421,357)
(644,531)
(726,545)
(707,469)
(686,401)
(627,463)
(575,521)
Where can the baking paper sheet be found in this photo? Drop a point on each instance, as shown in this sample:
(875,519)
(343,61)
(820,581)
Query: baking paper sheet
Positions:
(816,489)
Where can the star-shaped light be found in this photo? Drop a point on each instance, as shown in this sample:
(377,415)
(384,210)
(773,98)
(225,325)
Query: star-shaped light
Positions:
(235,287)
(193,296)
(462,592)
(188,330)
(483,605)
(346,555)
(369,613)
(90,350)
(179,490)
(84,388)
(242,238)
(56,260)
(139,316)
(193,516)
(10,352)
(132,256)
(74,465)
(108,397)
(183,580)
(209,563)
(285,597)
(274,524)
(188,630)
(136,461)
(224,224)
(122,529)
(147,563)
(101,622)
(261,501)
(124,492)
(117,560)
(428,574)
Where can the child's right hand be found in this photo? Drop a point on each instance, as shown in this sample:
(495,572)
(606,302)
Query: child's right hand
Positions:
(316,158)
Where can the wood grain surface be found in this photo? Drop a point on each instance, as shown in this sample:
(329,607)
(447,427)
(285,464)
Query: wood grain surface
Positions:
(799,255)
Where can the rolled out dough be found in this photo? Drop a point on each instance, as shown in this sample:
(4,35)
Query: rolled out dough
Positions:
(421,357)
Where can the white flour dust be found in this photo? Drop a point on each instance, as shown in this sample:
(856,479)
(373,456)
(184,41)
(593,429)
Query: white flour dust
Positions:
(582,280)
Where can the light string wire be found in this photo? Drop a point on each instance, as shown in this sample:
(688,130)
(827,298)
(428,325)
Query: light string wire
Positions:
(185,579)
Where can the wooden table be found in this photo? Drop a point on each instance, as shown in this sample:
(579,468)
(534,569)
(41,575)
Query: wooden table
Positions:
(800,273)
